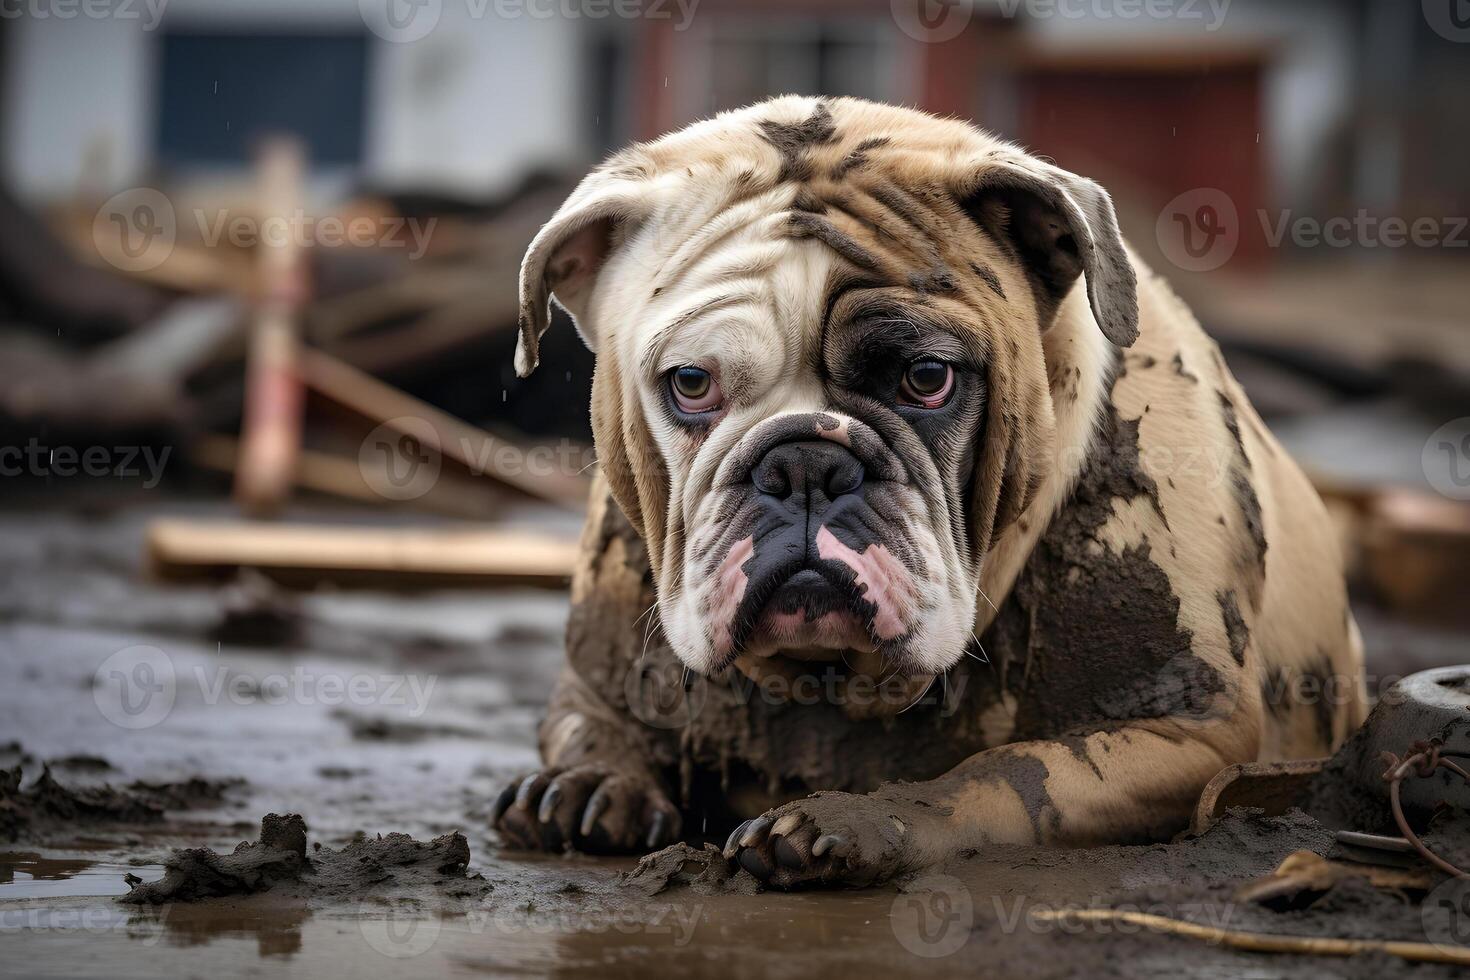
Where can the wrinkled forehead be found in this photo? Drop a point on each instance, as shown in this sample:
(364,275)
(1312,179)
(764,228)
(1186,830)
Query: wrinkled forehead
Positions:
(743,292)
(764,221)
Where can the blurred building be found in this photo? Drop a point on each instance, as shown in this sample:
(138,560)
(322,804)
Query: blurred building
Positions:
(1313,104)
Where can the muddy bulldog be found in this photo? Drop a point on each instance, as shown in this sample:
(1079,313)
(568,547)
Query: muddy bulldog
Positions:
(928,517)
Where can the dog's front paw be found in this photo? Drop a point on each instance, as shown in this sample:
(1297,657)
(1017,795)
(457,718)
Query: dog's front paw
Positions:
(826,839)
(595,808)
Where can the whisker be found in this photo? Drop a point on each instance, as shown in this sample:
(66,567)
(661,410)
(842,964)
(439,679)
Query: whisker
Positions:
(647,635)
(922,695)
(986,598)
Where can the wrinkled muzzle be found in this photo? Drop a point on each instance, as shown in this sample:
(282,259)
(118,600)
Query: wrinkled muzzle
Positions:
(813,541)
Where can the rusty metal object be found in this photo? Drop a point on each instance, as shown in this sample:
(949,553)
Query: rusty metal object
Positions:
(1430,706)
(1273,787)
(1426,759)
(1389,852)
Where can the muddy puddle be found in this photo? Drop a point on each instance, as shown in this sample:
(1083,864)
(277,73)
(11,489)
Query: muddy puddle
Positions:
(146,732)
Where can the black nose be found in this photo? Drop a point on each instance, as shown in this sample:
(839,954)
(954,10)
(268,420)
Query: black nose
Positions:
(802,468)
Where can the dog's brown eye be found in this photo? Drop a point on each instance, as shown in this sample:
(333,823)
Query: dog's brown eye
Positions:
(695,389)
(927,384)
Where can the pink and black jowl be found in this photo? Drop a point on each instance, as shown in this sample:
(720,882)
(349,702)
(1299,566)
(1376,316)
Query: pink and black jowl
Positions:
(816,555)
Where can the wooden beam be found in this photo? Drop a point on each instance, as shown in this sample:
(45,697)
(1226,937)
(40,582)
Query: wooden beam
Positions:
(398,557)
(468,445)
(270,430)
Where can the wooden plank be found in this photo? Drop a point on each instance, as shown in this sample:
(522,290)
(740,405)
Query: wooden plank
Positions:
(454,438)
(339,476)
(270,431)
(407,557)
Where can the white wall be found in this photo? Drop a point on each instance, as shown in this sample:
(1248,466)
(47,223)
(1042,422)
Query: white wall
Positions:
(468,106)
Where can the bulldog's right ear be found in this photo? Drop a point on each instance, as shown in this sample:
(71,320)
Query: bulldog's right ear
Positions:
(568,253)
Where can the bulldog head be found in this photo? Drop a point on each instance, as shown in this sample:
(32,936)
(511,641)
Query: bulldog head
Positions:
(821,392)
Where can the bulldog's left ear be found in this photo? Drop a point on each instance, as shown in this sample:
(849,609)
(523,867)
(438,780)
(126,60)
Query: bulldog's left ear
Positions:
(1062,226)
(568,253)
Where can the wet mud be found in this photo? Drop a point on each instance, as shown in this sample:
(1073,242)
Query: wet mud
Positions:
(121,849)
(45,808)
(280,862)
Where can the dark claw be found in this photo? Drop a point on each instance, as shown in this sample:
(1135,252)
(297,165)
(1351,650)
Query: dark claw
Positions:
(656,832)
(502,803)
(751,861)
(549,802)
(595,808)
(786,855)
(753,833)
(835,843)
(733,843)
(527,789)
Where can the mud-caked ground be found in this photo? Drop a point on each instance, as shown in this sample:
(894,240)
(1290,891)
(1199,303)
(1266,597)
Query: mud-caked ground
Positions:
(213,779)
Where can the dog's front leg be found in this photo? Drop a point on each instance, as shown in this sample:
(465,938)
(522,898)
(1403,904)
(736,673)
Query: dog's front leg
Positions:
(1133,783)
(599,790)
(601,787)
